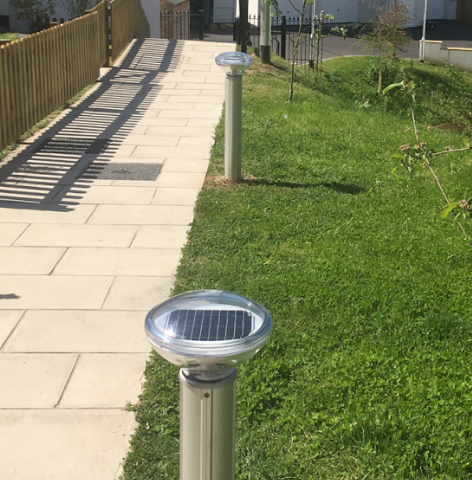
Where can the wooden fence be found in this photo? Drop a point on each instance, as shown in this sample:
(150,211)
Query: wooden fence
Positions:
(41,72)
(104,27)
(123,24)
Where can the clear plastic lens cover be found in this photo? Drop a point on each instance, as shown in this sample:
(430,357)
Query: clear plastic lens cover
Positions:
(236,62)
(208,323)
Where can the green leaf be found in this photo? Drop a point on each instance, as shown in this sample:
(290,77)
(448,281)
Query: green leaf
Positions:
(392,86)
(449,207)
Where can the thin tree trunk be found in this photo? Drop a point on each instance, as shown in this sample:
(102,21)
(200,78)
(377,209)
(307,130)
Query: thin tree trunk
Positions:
(295,49)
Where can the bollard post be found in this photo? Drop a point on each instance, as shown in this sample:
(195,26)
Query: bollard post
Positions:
(208,333)
(234,63)
(265,32)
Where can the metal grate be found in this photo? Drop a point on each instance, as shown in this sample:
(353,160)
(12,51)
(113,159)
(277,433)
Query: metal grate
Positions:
(73,146)
(123,171)
(209,325)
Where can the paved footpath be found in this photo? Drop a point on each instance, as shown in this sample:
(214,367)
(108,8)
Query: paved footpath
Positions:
(89,242)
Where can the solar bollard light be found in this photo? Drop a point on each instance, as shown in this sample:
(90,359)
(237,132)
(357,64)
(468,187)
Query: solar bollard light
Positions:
(208,333)
(235,63)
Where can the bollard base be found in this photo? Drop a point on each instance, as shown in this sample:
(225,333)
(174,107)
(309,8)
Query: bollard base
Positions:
(207,427)
(265,53)
(311,63)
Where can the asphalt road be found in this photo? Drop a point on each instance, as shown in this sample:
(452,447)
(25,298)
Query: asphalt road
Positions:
(452,33)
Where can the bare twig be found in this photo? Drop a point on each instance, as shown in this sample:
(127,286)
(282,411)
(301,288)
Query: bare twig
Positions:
(296,9)
(452,150)
(426,162)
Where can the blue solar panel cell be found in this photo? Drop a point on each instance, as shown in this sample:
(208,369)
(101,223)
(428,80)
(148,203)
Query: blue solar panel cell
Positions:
(209,325)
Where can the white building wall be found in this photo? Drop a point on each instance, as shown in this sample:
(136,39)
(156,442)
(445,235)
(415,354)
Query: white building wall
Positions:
(361,11)
(450,9)
(152,8)
(4,9)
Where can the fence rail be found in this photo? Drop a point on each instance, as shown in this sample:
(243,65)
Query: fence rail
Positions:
(41,72)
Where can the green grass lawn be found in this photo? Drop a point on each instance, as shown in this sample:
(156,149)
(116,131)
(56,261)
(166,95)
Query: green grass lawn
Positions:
(368,371)
(9,36)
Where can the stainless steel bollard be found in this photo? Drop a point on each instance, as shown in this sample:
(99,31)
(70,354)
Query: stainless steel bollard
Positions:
(208,333)
(235,63)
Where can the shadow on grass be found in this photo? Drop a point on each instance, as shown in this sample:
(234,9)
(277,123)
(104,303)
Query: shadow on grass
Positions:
(336,186)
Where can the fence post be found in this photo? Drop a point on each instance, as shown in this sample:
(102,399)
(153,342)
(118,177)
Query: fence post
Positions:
(283,35)
(109,39)
(200,25)
(243,14)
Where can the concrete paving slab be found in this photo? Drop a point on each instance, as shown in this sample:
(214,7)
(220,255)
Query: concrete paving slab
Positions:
(150,140)
(142,215)
(200,99)
(105,380)
(9,232)
(135,183)
(129,195)
(138,293)
(200,60)
(8,321)
(206,141)
(161,236)
(185,165)
(183,92)
(123,151)
(181,179)
(210,106)
(165,122)
(63,444)
(33,380)
(76,331)
(29,260)
(195,68)
(159,104)
(192,132)
(189,114)
(119,261)
(39,235)
(175,196)
(213,122)
(185,152)
(28,213)
(52,292)
(202,86)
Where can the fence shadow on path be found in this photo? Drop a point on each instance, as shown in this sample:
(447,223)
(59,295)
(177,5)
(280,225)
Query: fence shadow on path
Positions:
(41,175)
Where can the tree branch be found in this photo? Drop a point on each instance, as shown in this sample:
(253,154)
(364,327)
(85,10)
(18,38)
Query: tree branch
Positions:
(452,150)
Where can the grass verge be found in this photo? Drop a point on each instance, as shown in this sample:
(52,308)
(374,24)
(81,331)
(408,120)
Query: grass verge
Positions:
(367,373)
(9,36)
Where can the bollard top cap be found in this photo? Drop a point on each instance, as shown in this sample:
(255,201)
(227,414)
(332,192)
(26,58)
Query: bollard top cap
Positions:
(208,330)
(234,62)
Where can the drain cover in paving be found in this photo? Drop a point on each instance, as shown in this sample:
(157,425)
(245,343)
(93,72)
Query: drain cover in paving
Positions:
(123,171)
(73,146)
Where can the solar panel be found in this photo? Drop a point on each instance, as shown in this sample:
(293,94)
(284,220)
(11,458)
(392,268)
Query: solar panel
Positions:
(209,325)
